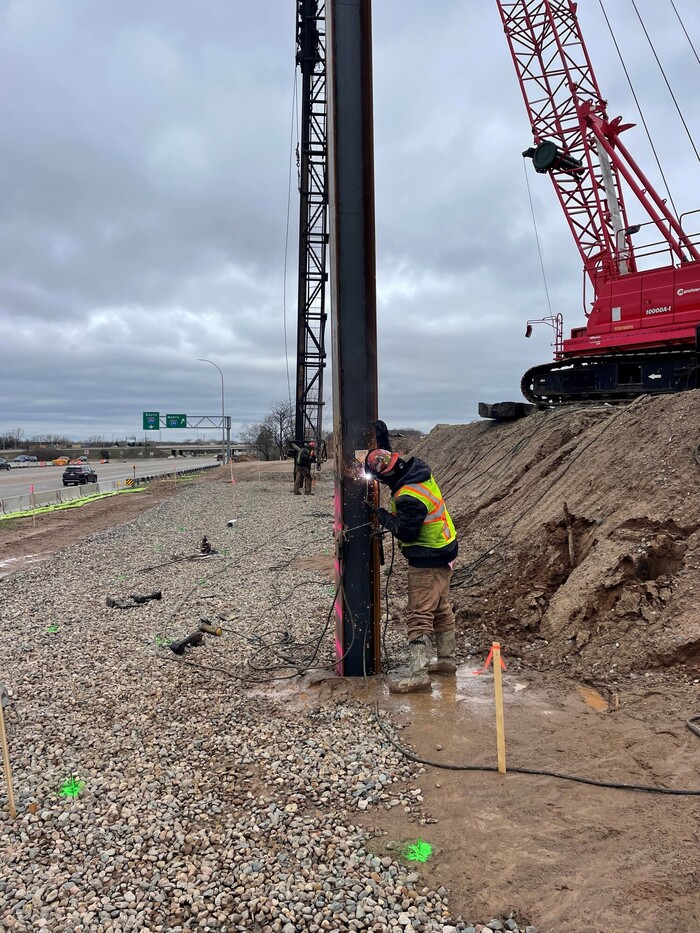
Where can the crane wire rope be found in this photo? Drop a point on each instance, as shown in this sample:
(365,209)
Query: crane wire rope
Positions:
(670,90)
(690,41)
(294,126)
(639,108)
(537,237)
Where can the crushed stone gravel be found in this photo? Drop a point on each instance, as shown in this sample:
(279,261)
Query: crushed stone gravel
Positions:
(214,796)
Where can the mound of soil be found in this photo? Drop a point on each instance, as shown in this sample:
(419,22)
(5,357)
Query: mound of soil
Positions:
(579,531)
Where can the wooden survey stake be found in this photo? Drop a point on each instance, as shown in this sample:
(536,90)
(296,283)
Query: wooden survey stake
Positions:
(6,762)
(500,724)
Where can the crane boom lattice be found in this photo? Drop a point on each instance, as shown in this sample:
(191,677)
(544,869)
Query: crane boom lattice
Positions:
(560,92)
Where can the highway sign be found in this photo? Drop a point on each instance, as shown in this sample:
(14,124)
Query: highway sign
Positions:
(176,421)
(151,420)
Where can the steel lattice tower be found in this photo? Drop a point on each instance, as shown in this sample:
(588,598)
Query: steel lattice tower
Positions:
(313,220)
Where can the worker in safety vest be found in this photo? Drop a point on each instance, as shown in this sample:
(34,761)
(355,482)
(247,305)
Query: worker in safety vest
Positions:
(426,534)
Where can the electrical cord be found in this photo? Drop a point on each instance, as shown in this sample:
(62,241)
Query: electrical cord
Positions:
(506,535)
(304,668)
(577,779)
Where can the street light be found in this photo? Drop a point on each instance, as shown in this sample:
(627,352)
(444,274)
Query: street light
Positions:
(223,416)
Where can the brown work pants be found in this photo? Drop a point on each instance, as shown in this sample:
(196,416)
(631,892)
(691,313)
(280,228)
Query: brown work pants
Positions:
(302,477)
(428,607)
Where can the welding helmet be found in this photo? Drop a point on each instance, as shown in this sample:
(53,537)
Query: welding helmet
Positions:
(380,462)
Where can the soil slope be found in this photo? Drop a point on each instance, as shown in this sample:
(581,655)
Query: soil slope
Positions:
(579,530)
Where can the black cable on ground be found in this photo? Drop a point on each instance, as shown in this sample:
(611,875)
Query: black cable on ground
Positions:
(504,537)
(302,669)
(536,771)
(694,725)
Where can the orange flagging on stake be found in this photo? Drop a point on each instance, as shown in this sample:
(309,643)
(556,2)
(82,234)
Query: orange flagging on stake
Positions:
(489,659)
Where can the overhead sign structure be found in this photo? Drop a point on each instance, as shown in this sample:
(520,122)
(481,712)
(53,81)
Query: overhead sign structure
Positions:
(154,421)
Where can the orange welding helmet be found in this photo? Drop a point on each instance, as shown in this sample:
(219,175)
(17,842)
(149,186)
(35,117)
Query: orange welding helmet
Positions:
(380,461)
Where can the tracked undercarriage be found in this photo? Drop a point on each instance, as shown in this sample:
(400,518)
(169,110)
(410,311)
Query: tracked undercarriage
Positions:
(613,377)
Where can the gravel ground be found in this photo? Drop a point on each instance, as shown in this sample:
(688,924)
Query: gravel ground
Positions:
(208,802)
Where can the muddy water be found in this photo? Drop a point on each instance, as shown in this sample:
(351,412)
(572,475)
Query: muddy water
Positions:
(593,698)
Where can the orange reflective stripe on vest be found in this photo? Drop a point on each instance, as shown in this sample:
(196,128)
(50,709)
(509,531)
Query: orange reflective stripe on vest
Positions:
(429,494)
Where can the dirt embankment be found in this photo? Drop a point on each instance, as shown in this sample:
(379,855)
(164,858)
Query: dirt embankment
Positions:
(580,534)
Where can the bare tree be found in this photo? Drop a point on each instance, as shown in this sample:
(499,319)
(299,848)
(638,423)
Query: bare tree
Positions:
(281,422)
(49,440)
(260,439)
(12,439)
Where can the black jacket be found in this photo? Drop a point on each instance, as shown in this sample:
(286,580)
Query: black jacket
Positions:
(410,515)
(303,455)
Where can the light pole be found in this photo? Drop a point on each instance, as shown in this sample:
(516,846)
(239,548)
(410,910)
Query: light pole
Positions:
(223,416)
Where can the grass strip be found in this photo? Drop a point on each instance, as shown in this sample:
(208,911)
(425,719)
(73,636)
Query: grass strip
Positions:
(73,504)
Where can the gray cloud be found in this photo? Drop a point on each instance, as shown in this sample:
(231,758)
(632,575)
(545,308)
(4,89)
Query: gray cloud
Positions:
(145,154)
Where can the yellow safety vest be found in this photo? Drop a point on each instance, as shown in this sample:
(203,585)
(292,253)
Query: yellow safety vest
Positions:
(437,530)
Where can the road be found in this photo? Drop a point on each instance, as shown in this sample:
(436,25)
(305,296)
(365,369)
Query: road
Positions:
(17,481)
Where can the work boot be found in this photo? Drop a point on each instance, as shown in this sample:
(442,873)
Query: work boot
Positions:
(445,646)
(418,677)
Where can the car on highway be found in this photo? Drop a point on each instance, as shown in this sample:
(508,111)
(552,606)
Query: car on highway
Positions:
(4,464)
(80,460)
(61,461)
(25,458)
(79,475)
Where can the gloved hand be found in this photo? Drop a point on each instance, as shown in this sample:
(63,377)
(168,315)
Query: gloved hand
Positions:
(372,507)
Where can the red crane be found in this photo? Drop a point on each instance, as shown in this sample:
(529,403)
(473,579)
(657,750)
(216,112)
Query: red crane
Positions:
(642,333)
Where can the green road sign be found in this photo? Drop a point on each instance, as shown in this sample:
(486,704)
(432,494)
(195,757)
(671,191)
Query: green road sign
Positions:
(151,420)
(176,421)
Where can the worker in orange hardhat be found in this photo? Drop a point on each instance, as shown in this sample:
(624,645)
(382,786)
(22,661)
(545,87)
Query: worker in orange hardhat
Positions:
(426,534)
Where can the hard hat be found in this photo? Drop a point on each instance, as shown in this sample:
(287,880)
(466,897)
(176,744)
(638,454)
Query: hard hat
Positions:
(381,461)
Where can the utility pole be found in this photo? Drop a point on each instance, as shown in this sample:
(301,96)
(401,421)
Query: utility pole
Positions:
(353,300)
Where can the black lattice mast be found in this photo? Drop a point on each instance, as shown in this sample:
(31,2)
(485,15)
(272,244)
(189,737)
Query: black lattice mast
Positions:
(313,220)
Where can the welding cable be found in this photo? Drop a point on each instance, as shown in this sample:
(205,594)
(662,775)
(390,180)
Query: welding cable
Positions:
(504,537)
(547,417)
(229,561)
(308,665)
(178,559)
(536,771)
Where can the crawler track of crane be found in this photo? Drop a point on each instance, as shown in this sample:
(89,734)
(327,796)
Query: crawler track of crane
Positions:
(615,377)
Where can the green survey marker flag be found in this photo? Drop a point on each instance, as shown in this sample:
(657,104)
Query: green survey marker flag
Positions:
(418,851)
(71,787)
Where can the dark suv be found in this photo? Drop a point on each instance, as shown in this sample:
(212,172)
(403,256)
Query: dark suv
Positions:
(4,464)
(78,475)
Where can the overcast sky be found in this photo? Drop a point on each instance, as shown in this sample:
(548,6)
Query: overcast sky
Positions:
(144,161)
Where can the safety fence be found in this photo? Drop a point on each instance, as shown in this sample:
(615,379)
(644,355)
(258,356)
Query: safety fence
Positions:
(31,501)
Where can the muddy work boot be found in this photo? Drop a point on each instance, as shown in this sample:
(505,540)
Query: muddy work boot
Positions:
(417,677)
(445,646)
